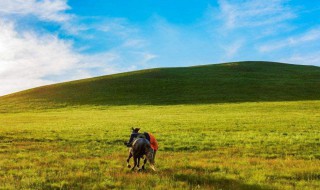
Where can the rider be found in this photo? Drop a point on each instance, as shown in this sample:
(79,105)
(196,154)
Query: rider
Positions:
(148,136)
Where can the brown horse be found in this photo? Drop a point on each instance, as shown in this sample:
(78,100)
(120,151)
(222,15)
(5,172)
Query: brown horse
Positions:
(141,149)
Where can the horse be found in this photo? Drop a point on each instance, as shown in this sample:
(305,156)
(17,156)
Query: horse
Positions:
(141,148)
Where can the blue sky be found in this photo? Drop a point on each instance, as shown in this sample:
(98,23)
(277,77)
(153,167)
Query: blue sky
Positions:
(49,41)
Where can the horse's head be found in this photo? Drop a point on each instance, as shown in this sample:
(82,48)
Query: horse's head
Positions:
(135,130)
(134,135)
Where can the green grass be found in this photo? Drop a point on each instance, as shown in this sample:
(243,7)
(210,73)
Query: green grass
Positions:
(271,145)
(245,125)
(219,83)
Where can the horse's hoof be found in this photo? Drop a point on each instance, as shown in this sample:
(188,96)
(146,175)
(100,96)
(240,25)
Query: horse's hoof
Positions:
(129,166)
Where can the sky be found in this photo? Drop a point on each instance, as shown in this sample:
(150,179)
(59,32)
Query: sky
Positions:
(49,41)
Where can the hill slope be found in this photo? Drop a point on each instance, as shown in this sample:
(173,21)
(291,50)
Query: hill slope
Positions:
(218,83)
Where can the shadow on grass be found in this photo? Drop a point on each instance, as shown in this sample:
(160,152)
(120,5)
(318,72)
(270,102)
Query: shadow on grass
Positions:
(218,183)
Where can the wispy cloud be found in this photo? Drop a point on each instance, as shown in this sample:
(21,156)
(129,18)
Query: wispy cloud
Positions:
(247,13)
(312,35)
(312,58)
(239,25)
(233,48)
(46,10)
(269,30)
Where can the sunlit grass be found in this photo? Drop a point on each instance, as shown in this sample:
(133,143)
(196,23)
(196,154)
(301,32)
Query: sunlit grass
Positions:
(216,146)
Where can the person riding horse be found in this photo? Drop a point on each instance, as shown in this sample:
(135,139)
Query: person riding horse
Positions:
(135,134)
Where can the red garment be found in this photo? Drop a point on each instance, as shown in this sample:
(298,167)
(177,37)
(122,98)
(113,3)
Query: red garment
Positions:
(153,142)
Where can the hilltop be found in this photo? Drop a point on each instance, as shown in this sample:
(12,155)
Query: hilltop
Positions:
(217,83)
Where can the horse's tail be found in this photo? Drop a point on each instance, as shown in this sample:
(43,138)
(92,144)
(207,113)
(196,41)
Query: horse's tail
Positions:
(152,167)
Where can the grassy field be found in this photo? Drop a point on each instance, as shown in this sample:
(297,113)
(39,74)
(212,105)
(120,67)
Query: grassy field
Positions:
(218,83)
(244,125)
(270,145)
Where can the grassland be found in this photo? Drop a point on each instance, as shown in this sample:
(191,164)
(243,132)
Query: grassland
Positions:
(271,145)
(218,83)
(246,125)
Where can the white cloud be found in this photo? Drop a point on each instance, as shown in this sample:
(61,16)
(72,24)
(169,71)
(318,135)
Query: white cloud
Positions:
(134,43)
(308,37)
(233,48)
(46,10)
(247,13)
(117,26)
(312,58)
(26,58)
(148,57)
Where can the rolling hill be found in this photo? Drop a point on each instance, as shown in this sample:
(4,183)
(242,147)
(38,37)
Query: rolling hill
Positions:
(217,83)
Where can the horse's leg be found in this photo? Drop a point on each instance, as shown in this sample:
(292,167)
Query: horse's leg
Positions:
(128,164)
(144,163)
(135,159)
(154,155)
(138,165)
